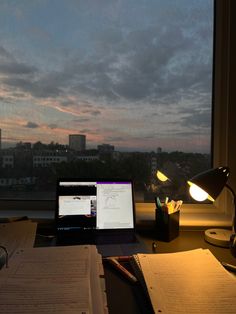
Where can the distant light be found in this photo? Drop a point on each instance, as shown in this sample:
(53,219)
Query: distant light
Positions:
(197,193)
(161,176)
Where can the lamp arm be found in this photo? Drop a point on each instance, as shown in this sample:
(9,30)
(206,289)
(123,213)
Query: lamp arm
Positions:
(234,195)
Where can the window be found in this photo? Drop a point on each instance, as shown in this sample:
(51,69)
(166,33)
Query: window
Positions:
(105,94)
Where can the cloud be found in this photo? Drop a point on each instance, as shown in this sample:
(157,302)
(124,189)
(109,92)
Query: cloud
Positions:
(4,54)
(10,66)
(31,125)
(16,68)
(36,88)
(92,112)
(53,126)
(197,118)
(81,120)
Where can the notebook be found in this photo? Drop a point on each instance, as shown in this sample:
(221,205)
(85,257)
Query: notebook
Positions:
(95,211)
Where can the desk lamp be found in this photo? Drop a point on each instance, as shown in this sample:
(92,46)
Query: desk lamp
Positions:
(208,185)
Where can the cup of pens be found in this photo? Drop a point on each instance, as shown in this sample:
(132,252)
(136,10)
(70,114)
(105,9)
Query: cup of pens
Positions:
(167,219)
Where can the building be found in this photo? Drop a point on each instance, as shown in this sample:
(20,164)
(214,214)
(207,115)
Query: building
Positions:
(48,158)
(77,142)
(8,161)
(106,148)
(86,158)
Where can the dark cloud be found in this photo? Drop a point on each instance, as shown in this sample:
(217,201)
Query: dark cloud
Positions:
(4,54)
(92,112)
(39,89)
(9,65)
(81,120)
(116,139)
(32,125)
(201,119)
(52,126)
(16,68)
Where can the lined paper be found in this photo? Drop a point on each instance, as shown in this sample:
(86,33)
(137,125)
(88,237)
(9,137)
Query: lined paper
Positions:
(188,282)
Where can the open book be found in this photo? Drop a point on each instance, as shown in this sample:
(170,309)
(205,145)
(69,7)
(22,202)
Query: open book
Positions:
(53,280)
(186,282)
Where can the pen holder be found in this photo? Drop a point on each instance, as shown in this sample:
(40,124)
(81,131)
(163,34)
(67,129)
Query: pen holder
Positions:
(167,225)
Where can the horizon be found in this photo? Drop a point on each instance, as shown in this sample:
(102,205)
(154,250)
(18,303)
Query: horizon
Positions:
(117,149)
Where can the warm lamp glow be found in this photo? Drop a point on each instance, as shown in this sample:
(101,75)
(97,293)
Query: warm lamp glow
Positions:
(197,193)
(208,185)
(161,176)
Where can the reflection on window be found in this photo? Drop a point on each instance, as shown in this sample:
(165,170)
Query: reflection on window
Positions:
(88,91)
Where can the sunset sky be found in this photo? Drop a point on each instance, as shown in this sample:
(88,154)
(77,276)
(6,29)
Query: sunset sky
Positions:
(135,74)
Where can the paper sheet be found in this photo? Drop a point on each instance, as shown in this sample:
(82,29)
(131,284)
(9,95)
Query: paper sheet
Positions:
(188,282)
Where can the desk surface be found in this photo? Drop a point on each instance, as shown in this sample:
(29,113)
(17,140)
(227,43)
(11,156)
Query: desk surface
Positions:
(125,297)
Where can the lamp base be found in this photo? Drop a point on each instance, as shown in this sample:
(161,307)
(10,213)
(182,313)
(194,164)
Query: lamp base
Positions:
(218,237)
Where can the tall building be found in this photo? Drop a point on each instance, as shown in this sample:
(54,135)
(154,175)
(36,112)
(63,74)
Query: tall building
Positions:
(77,142)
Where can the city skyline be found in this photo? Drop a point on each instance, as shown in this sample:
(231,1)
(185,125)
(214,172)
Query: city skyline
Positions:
(86,67)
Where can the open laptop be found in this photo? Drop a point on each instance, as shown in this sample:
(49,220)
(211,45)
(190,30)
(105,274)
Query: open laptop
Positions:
(95,211)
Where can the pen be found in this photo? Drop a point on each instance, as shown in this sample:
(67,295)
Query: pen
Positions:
(229,267)
(121,258)
(122,269)
(158,203)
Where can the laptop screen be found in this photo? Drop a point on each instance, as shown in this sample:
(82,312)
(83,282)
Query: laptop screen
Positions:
(97,205)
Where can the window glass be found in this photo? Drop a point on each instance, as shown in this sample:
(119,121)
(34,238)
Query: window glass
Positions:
(105,89)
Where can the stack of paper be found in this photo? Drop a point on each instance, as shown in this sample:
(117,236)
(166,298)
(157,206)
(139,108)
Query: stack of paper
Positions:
(54,280)
(187,282)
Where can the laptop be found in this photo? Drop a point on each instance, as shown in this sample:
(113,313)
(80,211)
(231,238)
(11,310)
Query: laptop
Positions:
(97,211)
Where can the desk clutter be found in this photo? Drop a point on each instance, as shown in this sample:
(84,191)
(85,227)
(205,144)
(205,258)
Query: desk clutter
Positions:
(70,279)
(48,279)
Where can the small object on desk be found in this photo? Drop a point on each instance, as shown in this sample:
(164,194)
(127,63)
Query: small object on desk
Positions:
(167,225)
(229,267)
(121,269)
(167,219)
(154,247)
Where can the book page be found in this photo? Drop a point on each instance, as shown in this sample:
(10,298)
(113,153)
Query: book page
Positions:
(48,280)
(188,282)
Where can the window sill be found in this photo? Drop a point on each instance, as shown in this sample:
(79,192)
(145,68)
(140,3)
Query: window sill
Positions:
(198,216)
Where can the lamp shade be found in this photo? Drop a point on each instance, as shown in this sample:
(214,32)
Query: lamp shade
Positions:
(161,176)
(211,181)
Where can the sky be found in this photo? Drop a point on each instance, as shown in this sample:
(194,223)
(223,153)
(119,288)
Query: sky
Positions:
(136,74)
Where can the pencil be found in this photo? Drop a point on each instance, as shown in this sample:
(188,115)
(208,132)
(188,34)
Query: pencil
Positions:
(122,269)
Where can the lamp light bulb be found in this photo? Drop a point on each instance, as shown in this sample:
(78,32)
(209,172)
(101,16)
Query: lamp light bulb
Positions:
(197,193)
(161,176)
